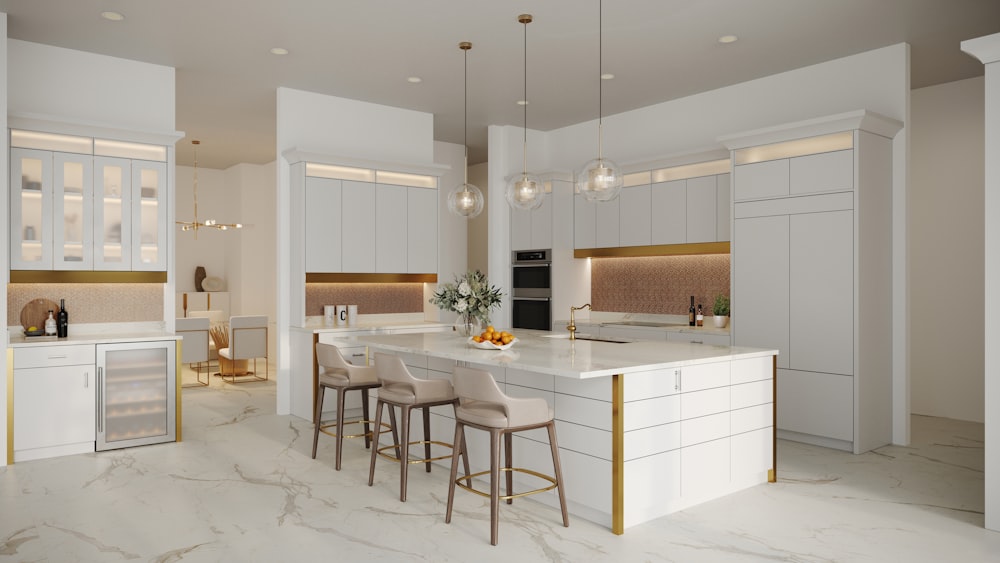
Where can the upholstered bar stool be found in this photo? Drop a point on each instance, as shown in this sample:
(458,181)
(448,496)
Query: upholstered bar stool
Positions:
(341,376)
(400,389)
(482,405)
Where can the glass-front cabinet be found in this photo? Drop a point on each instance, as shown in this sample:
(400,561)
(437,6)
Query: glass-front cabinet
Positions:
(87,204)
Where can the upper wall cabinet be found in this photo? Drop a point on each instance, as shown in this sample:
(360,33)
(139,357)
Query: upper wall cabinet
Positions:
(532,229)
(73,208)
(677,205)
(354,224)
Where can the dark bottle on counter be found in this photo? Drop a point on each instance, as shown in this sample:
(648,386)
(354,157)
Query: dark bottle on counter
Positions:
(62,321)
(691,312)
(700,317)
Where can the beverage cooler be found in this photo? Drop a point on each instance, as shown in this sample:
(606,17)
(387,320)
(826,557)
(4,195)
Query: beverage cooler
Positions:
(136,394)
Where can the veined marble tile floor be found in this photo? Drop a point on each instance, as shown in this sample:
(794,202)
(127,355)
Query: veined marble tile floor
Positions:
(242,487)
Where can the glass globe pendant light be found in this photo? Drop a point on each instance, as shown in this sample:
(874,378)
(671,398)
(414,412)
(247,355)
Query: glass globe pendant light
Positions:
(525,191)
(466,200)
(600,179)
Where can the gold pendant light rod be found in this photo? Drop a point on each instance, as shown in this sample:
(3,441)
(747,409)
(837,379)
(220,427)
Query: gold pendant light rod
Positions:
(208,223)
(524,192)
(466,200)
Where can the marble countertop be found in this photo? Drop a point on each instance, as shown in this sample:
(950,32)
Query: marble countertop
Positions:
(21,341)
(368,323)
(555,354)
(671,325)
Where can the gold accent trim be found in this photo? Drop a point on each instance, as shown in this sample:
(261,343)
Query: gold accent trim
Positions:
(10,406)
(411,461)
(317,409)
(369,278)
(772,474)
(178,381)
(618,454)
(52,276)
(687,249)
(542,476)
(324,429)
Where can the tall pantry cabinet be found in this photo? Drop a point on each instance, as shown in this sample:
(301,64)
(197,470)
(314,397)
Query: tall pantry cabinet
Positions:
(811,272)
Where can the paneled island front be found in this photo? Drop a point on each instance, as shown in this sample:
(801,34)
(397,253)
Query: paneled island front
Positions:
(644,428)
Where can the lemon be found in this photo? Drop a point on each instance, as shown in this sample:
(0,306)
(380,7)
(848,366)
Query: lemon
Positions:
(32,328)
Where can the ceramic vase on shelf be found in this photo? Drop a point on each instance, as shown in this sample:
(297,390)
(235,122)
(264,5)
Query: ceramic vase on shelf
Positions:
(721,321)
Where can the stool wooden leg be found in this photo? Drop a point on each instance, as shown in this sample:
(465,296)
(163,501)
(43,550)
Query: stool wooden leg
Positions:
(494,484)
(364,415)
(427,437)
(404,460)
(557,466)
(375,437)
(508,439)
(340,425)
(459,444)
(395,429)
(317,416)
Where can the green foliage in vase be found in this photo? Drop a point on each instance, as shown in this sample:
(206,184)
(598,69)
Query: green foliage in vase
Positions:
(721,307)
(471,296)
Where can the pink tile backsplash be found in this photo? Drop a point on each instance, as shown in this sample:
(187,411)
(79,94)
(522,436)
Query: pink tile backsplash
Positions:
(371,298)
(658,284)
(91,302)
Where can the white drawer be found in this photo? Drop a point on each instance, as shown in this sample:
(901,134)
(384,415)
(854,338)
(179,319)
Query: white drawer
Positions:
(441,364)
(48,356)
(653,383)
(499,373)
(652,440)
(750,394)
(529,379)
(751,418)
(355,355)
(413,360)
(701,403)
(588,412)
(595,388)
(752,452)
(652,412)
(704,376)
(753,369)
(698,430)
(583,439)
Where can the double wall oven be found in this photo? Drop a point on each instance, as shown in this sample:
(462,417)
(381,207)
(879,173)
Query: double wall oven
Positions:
(531,284)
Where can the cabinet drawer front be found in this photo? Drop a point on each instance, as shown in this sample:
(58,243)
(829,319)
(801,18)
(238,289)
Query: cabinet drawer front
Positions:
(761,179)
(583,439)
(705,469)
(653,440)
(840,201)
(499,373)
(596,388)
(753,369)
(652,412)
(752,418)
(47,356)
(653,383)
(704,376)
(751,452)
(820,404)
(441,364)
(528,379)
(701,403)
(698,430)
(823,172)
(752,394)
(588,412)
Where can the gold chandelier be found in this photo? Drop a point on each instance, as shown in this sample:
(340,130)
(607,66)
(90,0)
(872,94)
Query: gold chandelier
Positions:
(207,223)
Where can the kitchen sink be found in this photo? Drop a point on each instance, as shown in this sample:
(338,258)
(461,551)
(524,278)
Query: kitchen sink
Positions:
(593,338)
(643,323)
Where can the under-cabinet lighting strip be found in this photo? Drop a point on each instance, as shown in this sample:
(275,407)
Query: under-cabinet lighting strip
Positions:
(799,147)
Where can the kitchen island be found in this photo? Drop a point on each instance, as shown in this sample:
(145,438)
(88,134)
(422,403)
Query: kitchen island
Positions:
(644,428)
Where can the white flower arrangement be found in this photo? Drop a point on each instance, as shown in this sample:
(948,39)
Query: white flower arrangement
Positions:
(471,296)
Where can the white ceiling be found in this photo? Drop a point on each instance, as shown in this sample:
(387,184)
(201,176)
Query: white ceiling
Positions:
(658,50)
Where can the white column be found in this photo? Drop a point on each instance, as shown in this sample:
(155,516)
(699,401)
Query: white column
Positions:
(987,50)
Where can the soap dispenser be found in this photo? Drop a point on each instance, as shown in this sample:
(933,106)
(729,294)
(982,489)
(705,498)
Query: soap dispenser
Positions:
(50,325)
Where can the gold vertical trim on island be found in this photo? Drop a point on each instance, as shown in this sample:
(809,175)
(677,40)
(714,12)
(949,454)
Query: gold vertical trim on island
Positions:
(10,406)
(618,454)
(178,383)
(317,415)
(772,474)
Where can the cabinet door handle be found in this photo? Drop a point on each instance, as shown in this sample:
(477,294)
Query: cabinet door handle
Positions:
(86,379)
(100,400)
(60,357)
(677,380)
(359,355)
(697,342)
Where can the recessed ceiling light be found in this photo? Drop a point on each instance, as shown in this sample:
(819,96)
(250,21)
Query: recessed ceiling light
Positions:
(279,51)
(414,79)
(607,76)
(728,39)
(522,102)
(112,16)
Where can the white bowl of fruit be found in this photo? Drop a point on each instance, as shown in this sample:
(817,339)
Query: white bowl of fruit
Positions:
(492,339)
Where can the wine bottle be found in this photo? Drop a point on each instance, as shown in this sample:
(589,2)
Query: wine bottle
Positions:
(62,320)
(691,312)
(700,317)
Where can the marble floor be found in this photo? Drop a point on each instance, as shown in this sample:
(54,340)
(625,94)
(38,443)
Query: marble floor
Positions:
(242,487)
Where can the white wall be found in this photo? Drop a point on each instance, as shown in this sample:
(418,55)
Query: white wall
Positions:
(946,250)
(454,233)
(479,227)
(4,241)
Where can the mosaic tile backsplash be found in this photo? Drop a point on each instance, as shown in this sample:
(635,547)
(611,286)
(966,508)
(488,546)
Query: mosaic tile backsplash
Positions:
(91,302)
(658,284)
(371,298)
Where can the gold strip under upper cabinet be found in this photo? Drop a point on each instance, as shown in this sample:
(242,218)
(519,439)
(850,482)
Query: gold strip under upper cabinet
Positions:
(687,249)
(60,276)
(10,406)
(618,453)
(370,278)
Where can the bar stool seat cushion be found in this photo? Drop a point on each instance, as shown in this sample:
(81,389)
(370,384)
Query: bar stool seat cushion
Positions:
(416,391)
(511,413)
(359,375)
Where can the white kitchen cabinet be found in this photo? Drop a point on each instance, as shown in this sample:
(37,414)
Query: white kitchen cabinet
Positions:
(30,209)
(636,216)
(701,209)
(112,213)
(73,212)
(54,401)
(812,275)
(390,229)
(530,230)
(608,218)
(584,222)
(669,211)
(722,210)
(149,216)
(323,212)
(358,226)
(422,230)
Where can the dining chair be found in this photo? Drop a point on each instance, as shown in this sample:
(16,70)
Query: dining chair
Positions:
(247,341)
(194,346)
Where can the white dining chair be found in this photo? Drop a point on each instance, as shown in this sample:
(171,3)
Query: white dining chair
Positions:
(247,341)
(194,346)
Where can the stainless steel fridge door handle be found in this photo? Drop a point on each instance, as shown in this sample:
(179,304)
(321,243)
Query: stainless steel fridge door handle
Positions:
(100,399)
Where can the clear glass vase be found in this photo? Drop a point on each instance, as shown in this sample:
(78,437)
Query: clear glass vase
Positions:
(467,325)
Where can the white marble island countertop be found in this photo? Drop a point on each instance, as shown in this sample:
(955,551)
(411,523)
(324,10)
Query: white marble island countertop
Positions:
(555,354)
(18,340)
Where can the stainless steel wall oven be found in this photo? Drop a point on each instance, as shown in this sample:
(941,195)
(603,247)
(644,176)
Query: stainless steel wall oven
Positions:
(531,284)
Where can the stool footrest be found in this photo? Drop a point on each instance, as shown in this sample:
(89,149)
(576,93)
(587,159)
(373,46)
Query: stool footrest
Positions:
(324,428)
(381,451)
(542,476)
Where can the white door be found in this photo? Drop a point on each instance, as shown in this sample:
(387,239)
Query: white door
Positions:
(760,284)
(112,213)
(701,209)
(30,209)
(149,216)
(55,407)
(72,211)
(669,212)
(358,231)
(323,225)
(421,230)
(634,210)
(584,222)
(390,229)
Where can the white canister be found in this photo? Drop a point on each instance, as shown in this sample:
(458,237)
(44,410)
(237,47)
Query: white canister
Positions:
(341,314)
(329,315)
(352,314)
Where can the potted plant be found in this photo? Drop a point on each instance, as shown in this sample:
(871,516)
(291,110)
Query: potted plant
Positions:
(721,310)
(472,297)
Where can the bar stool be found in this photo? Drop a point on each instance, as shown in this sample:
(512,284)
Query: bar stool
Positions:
(400,389)
(482,405)
(340,375)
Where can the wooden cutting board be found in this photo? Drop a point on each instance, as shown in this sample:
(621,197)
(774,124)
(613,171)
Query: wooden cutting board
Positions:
(37,311)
